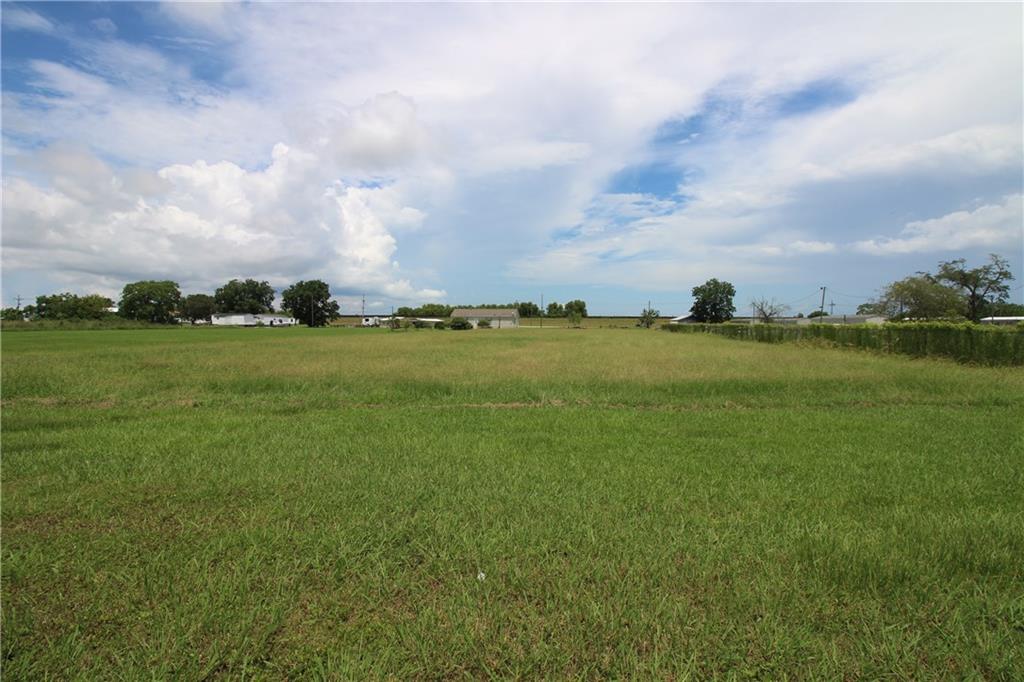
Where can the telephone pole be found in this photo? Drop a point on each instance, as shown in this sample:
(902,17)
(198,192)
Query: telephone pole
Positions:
(18,299)
(362,310)
(542,311)
(823,290)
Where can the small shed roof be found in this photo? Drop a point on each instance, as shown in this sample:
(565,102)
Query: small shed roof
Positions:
(492,313)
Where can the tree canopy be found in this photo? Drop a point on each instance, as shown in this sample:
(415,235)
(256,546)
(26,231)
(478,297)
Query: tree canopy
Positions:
(981,287)
(150,300)
(576,306)
(198,307)
(712,301)
(245,296)
(310,302)
(69,306)
(918,297)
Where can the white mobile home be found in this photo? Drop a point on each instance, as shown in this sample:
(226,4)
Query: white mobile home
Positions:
(249,320)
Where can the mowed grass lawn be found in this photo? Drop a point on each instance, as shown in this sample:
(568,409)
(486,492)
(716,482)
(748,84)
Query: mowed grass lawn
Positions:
(346,503)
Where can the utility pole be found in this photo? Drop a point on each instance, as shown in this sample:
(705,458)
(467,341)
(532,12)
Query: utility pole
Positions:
(823,289)
(831,308)
(542,311)
(18,299)
(362,310)
(311,311)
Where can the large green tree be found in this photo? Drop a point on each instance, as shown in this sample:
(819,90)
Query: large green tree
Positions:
(528,309)
(555,309)
(981,286)
(245,296)
(576,306)
(310,302)
(198,307)
(919,297)
(712,301)
(150,300)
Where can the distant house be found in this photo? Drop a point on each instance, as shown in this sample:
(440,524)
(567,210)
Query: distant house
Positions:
(371,321)
(499,318)
(248,320)
(683,319)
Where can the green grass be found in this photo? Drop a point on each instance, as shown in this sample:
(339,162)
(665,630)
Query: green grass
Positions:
(296,503)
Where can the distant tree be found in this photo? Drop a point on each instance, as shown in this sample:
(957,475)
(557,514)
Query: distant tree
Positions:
(577,306)
(69,306)
(647,318)
(406,311)
(433,310)
(245,296)
(310,302)
(815,313)
(94,307)
(1006,310)
(459,323)
(528,309)
(712,301)
(918,297)
(873,308)
(11,315)
(150,300)
(574,316)
(55,307)
(981,287)
(198,307)
(768,310)
(555,310)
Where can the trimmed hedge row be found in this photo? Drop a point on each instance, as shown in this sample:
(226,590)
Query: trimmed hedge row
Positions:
(983,345)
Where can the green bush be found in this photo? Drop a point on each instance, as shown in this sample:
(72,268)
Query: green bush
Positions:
(458,323)
(963,342)
(440,325)
(483,324)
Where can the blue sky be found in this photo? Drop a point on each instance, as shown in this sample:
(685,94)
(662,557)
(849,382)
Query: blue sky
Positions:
(484,153)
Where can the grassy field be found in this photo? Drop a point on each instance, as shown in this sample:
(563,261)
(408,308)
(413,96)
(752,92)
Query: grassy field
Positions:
(347,503)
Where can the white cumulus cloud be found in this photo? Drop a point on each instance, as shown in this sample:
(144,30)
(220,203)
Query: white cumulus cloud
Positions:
(989,226)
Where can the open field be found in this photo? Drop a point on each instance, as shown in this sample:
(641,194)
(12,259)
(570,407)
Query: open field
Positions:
(292,503)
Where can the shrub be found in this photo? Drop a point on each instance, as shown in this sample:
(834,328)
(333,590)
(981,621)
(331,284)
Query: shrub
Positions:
(458,323)
(440,325)
(483,324)
(963,342)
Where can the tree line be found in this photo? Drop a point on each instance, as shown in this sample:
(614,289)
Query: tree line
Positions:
(953,292)
(525,309)
(161,302)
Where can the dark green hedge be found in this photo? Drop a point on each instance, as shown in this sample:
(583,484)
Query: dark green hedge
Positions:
(981,344)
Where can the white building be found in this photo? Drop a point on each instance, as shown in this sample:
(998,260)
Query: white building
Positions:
(1009,320)
(248,320)
(499,318)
